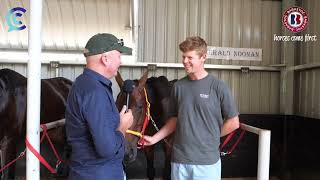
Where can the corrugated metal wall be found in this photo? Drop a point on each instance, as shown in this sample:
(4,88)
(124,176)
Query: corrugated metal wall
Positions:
(307,102)
(224,23)
(68,24)
(263,98)
(165,23)
(255,92)
(308,81)
(309,51)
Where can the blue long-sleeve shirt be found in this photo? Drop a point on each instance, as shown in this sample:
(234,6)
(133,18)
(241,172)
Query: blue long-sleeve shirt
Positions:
(92,120)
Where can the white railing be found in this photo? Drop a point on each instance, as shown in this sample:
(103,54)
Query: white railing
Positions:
(55,124)
(263,151)
(1,163)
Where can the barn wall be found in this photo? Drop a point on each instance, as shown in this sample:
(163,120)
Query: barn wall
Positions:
(68,24)
(228,23)
(307,102)
(163,24)
(262,99)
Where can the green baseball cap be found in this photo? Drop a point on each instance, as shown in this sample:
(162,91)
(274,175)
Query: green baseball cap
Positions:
(104,42)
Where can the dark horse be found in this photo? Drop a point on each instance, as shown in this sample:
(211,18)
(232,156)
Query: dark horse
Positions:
(13,107)
(158,92)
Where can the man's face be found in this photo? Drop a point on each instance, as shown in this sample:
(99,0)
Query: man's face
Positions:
(114,61)
(192,62)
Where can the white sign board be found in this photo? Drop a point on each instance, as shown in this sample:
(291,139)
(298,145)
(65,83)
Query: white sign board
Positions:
(228,53)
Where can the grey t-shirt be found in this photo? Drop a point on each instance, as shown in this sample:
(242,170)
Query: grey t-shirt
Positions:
(200,107)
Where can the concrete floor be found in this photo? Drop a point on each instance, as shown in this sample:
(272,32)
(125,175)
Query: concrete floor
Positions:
(49,178)
(221,179)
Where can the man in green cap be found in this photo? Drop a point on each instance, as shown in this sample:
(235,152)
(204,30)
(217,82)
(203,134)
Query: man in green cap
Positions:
(95,128)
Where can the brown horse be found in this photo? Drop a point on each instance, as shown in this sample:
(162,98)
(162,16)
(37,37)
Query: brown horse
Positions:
(158,91)
(13,107)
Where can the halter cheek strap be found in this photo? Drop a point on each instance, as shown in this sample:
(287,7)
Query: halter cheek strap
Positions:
(145,123)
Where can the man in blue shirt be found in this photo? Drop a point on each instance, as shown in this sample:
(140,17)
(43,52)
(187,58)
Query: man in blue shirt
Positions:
(95,128)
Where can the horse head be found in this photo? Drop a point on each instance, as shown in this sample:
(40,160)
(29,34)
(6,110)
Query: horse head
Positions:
(138,105)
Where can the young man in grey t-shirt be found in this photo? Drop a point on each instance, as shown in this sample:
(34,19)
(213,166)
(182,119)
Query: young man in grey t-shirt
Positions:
(202,110)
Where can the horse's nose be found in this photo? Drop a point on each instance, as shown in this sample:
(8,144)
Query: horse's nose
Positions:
(130,156)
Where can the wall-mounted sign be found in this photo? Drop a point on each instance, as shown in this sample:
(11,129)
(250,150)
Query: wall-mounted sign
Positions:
(228,53)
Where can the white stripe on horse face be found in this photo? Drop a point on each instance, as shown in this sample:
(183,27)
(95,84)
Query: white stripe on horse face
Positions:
(56,91)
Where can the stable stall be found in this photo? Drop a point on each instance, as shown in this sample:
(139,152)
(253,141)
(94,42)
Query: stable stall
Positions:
(265,50)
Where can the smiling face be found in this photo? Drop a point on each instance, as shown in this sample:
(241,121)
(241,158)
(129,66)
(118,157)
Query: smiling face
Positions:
(193,62)
(194,54)
(113,62)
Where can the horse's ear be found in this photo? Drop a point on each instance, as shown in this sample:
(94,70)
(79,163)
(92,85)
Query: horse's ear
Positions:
(119,79)
(143,80)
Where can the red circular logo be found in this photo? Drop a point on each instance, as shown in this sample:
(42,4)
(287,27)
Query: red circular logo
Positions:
(295,19)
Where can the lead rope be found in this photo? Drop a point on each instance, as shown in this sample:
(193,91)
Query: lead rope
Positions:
(156,127)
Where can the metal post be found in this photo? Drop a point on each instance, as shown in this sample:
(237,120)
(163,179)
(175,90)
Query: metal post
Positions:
(263,151)
(34,88)
(135,28)
(264,155)
(1,163)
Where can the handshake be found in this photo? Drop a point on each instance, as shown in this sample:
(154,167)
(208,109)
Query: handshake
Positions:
(126,120)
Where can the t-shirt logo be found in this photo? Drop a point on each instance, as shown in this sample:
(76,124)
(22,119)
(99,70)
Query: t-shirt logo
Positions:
(206,96)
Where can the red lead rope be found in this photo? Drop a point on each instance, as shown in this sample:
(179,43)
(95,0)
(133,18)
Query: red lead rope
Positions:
(234,145)
(146,120)
(23,153)
(145,123)
(10,163)
(38,155)
(41,159)
(43,126)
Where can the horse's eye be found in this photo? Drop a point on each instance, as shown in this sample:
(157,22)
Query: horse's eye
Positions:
(139,105)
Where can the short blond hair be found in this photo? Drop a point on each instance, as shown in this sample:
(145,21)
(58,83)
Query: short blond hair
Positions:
(194,43)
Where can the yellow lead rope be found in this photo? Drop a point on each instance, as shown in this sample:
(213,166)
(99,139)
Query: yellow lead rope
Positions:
(148,104)
(134,133)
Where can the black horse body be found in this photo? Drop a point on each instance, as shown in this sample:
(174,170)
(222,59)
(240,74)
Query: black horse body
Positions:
(159,89)
(13,107)
(158,92)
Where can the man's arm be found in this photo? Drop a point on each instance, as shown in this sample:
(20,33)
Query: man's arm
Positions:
(103,124)
(170,125)
(126,120)
(166,130)
(230,125)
